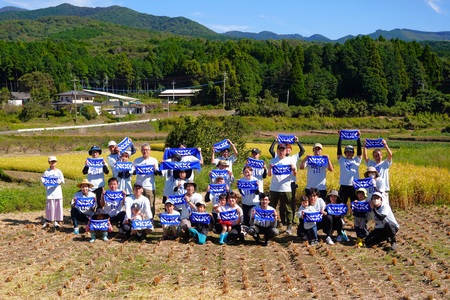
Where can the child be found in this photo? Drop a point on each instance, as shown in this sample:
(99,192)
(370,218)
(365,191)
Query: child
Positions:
(113,202)
(84,204)
(235,217)
(225,156)
(52,180)
(333,219)
(200,221)
(99,227)
(95,168)
(263,220)
(307,228)
(171,231)
(124,175)
(180,177)
(225,224)
(250,195)
(222,171)
(135,215)
(386,226)
(361,212)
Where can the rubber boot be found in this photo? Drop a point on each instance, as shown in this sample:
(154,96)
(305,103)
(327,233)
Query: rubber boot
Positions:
(222,238)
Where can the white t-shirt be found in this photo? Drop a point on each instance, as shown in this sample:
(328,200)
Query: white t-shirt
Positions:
(54,192)
(147,180)
(281,183)
(349,170)
(143,202)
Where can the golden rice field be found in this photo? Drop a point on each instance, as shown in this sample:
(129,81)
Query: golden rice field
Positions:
(409,183)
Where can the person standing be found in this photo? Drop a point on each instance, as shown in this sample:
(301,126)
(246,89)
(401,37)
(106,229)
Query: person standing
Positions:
(96,168)
(52,180)
(281,169)
(317,166)
(146,167)
(349,168)
(382,166)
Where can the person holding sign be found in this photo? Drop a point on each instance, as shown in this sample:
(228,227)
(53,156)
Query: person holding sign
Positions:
(281,169)
(336,210)
(259,167)
(249,188)
(136,215)
(170,221)
(386,226)
(263,220)
(288,141)
(83,205)
(223,147)
(317,166)
(146,168)
(362,212)
(99,224)
(382,166)
(191,197)
(307,227)
(222,171)
(231,216)
(116,151)
(95,168)
(52,180)
(124,169)
(200,220)
(113,201)
(348,164)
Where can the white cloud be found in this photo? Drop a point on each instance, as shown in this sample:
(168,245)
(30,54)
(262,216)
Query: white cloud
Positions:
(225,28)
(435,5)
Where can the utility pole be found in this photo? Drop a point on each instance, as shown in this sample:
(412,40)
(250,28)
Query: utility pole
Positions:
(287,98)
(224,80)
(75,96)
(173,99)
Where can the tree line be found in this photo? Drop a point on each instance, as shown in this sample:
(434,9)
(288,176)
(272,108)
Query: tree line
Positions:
(288,78)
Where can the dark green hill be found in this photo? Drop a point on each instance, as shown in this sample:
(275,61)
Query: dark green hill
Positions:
(117,15)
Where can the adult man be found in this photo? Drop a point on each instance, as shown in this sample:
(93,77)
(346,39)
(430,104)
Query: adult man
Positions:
(281,169)
(142,202)
(146,167)
(349,169)
(317,166)
(382,166)
(114,156)
(295,158)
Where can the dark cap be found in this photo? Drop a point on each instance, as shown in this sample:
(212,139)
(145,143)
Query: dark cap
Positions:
(256,150)
(135,206)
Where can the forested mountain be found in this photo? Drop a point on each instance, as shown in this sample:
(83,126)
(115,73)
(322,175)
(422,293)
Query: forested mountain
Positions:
(117,15)
(289,77)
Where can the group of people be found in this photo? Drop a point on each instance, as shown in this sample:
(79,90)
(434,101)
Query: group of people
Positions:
(132,206)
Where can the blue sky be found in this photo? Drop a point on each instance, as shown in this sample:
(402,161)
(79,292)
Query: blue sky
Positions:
(331,18)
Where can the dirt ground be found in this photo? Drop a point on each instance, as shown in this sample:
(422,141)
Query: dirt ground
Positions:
(48,264)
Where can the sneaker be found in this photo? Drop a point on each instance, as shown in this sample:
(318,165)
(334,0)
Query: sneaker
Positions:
(289,230)
(92,240)
(45,225)
(105,238)
(394,246)
(56,224)
(339,238)
(76,230)
(329,241)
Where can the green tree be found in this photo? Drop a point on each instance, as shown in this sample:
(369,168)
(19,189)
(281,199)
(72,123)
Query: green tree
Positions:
(298,85)
(41,87)
(89,112)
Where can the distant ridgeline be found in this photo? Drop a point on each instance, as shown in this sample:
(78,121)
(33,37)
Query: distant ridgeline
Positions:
(123,51)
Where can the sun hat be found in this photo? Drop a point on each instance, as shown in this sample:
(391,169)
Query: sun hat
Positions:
(85,182)
(223,163)
(190,182)
(333,193)
(362,190)
(371,170)
(95,148)
(52,158)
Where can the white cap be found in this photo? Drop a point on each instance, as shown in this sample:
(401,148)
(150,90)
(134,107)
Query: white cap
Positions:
(112,143)
(52,158)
